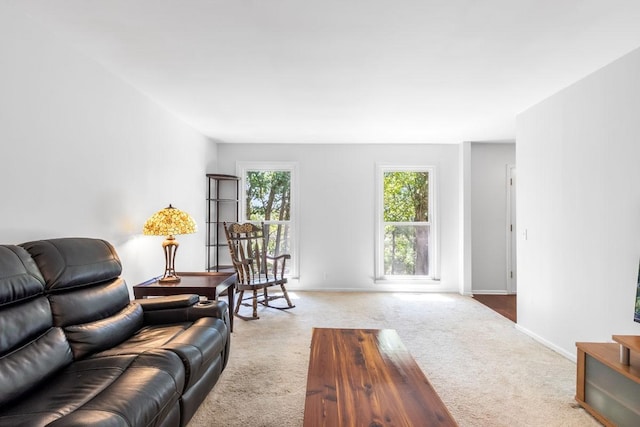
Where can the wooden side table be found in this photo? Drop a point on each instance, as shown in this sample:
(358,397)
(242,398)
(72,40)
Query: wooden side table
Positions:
(208,284)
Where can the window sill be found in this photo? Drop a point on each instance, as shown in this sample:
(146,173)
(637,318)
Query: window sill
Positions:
(412,285)
(407,281)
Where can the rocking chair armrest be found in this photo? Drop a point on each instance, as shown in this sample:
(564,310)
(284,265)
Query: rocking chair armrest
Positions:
(279,263)
(285,256)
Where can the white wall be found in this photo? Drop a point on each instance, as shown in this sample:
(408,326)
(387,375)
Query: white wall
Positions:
(337,195)
(579,202)
(489,215)
(84,154)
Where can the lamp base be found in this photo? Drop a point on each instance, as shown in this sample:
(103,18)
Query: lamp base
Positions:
(169,279)
(170,246)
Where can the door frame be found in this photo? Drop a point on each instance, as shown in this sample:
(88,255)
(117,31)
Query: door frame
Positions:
(511,228)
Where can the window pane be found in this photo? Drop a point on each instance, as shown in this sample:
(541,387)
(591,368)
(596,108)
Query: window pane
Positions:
(406,250)
(406,196)
(268,195)
(278,239)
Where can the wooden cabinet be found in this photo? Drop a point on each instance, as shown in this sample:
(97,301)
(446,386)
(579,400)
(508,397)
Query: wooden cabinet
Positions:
(608,380)
(223,192)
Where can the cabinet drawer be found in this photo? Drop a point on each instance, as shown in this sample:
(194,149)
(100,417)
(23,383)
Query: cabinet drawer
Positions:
(613,395)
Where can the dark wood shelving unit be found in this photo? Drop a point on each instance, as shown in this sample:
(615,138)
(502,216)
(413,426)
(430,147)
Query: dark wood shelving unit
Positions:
(223,193)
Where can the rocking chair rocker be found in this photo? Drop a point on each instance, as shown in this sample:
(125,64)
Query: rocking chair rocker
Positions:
(255,268)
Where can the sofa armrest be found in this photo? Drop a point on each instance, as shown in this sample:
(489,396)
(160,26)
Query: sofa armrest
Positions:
(181,308)
(172,301)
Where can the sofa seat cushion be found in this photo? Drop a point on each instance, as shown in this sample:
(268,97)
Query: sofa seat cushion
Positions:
(123,390)
(196,343)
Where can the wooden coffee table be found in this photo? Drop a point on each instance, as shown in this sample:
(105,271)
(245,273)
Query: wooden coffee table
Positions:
(208,284)
(366,377)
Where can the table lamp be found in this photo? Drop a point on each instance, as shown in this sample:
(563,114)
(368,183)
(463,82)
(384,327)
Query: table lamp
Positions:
(169,222)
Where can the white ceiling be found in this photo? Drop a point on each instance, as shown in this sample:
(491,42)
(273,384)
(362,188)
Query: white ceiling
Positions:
(347,71)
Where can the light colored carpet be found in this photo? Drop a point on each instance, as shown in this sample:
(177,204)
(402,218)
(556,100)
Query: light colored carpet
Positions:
(486,371)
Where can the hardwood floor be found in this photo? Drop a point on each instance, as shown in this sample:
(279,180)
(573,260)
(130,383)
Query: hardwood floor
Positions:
(503,304)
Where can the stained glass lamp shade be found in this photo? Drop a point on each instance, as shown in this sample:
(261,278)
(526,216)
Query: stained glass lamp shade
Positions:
(169,222)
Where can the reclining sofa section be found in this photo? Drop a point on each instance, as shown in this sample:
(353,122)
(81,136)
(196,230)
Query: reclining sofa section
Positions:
(76,351)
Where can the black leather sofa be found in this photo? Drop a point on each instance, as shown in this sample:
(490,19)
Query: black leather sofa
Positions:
(76,351)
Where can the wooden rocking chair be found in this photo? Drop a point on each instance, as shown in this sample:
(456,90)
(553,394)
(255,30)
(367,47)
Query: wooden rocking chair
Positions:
(256,269)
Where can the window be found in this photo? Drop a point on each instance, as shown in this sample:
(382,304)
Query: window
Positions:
(406,234)
(268,195)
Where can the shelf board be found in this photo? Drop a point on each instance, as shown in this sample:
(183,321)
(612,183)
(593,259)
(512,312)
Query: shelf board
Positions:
(223,177)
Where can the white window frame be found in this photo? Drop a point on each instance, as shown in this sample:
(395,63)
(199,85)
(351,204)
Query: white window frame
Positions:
(434,247)
(241,170)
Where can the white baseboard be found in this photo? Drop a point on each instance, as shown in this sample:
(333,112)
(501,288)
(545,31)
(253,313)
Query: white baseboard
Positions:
(494,292)
(386,289)
(562,352)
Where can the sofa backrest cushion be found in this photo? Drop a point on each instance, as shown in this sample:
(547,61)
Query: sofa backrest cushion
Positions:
(33,363)
(74,262)
(92,337)
(31,349)
(20,278)
(83,305)
(88,298)
(96,317)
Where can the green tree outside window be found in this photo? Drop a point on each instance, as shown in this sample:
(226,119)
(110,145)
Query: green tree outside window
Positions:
(406,223)
(269,200)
